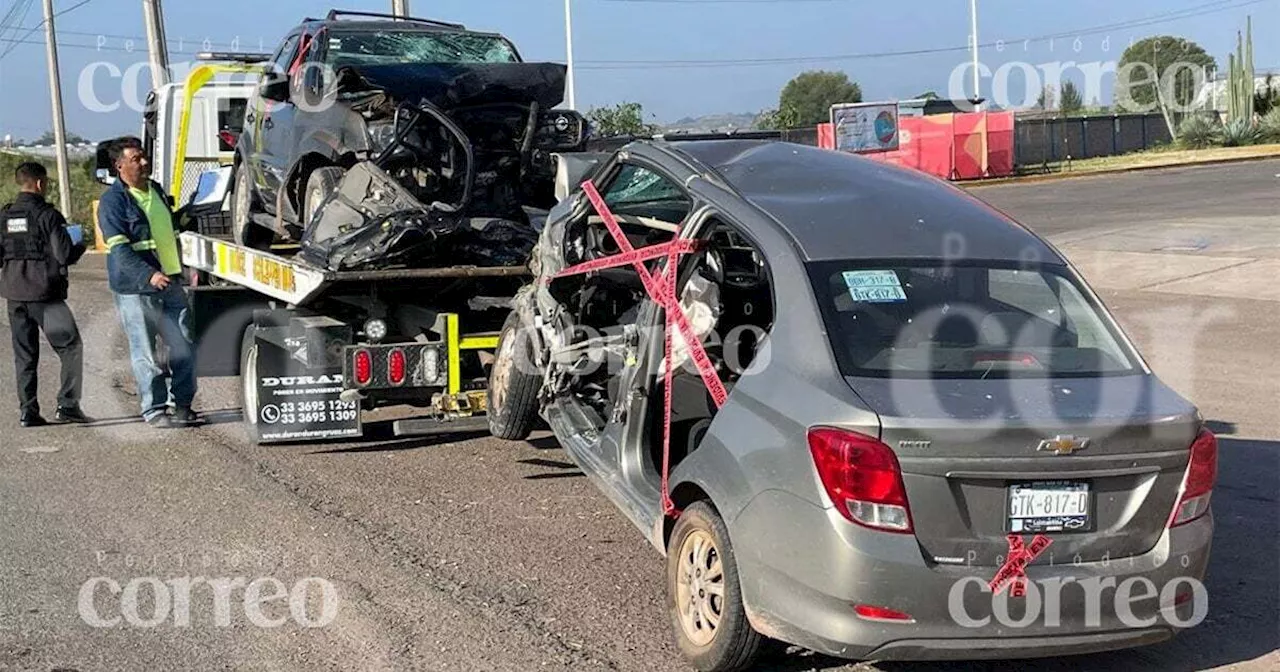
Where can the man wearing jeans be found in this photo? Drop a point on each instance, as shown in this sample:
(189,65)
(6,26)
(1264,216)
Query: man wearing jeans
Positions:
(144,269)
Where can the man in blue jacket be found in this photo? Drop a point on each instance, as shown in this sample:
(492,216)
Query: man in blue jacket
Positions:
(144,269)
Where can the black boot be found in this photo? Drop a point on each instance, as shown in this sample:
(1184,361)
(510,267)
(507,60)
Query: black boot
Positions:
(73,416)
(33,419)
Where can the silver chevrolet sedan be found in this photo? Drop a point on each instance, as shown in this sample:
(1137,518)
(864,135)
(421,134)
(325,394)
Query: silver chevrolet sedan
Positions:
(932,441)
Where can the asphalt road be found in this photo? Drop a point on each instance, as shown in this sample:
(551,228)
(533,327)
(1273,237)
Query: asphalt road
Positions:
(468,553)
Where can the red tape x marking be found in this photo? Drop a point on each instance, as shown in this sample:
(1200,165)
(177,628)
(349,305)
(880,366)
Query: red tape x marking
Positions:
(663,291)
(1014,570)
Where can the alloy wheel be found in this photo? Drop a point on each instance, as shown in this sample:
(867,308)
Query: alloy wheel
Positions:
(700,588)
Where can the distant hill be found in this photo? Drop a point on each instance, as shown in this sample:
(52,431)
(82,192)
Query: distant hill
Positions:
(712,123)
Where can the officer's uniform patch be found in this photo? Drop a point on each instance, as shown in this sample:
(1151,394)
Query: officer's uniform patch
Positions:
(17,225)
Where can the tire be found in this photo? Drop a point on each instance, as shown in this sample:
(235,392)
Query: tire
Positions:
(700,542)
(244,230)
(250,351)
(513,384)
(322,183)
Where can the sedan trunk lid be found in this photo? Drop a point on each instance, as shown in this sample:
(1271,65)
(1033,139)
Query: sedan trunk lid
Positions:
(1095,463)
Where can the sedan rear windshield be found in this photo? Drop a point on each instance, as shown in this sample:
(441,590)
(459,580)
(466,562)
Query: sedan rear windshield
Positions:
(389,47)
(966,321)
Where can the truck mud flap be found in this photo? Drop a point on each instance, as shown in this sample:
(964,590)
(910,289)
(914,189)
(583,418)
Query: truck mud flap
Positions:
(219,317)
(294,403)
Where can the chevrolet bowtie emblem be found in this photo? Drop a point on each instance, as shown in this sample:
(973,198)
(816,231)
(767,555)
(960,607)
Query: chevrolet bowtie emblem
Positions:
(1063,445)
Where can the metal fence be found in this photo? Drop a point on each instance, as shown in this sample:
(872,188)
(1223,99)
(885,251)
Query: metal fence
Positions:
(1038,142)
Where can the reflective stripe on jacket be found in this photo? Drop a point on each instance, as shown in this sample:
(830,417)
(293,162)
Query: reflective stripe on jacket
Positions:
(131,257)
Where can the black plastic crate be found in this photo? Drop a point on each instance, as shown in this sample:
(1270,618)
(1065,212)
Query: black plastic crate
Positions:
(217,225)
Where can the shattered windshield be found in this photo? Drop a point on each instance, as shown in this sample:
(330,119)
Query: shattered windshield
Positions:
(394,47)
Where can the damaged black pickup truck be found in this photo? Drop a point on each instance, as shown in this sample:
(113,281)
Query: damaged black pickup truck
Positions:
(388,193)
(381,143)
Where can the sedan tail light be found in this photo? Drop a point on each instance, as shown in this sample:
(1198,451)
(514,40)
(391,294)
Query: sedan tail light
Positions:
(862,477)
(873,613)
(1197,485)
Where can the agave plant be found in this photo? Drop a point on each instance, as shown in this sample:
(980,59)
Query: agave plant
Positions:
(1198,132)
(1271,126)
(1240,133)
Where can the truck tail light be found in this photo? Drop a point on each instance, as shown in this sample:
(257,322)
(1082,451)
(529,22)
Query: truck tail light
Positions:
(1197,484)
(397,367)
(363,367)
(862,477)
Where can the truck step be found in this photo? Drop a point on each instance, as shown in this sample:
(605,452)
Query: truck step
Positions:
(436,427)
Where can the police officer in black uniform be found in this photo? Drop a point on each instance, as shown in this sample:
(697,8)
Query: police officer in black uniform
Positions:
(36,250)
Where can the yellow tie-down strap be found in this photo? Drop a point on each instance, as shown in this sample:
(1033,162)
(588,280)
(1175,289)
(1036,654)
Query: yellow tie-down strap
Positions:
(263,272)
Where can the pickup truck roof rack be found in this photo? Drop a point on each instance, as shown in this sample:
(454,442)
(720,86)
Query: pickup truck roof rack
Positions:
(335,13)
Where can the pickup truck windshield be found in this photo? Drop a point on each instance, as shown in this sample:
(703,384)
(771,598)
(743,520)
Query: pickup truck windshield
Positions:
(967,321)
(394,47)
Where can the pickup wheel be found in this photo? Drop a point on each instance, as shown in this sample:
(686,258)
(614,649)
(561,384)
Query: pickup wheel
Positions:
(244,230)
(704,596)
(513,384)
(322,183)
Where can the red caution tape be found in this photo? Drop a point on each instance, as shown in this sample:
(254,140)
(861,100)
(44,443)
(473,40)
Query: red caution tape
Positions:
(630,258)
(662,291)
(1014,570)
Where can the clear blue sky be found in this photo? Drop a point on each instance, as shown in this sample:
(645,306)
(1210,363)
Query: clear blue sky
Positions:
(646,30)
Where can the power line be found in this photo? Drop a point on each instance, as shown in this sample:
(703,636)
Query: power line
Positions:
(14,18)
(40,25)
(1164,17)
(722,2)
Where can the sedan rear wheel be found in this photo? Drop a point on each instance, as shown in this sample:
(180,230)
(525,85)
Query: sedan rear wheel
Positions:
(704,597)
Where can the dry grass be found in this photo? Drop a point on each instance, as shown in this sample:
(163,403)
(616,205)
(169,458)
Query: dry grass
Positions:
(1164,157)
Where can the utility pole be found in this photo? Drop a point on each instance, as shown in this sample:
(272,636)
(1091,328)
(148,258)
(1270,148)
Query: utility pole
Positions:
(59,123)
(568,40)
(977,78)
(400,7)
(157,44)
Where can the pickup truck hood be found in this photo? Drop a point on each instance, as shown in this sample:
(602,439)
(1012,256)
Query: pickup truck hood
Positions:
(448,85)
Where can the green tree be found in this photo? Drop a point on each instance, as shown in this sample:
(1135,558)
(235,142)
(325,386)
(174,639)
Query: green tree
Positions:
(1178,62)
(778,119)
(1047,99)
(928,95)
(72,139)
(811,94)
(1071,102)
(623,119)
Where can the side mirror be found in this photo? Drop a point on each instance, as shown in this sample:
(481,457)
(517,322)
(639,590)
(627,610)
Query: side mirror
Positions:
(275,88)
(103,172)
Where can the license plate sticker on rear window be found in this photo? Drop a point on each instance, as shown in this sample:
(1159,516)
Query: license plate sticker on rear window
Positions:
(1051,506)
(874,287)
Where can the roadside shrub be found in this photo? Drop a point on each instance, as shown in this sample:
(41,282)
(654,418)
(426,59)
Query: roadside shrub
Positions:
(1271,126)
(1199,132)
(1240,133)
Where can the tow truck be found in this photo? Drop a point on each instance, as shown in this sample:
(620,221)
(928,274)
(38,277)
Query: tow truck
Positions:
(315,347)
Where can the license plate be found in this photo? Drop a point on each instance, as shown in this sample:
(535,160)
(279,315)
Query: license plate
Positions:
(1050,506)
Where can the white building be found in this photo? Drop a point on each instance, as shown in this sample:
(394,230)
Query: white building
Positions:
(1213,95)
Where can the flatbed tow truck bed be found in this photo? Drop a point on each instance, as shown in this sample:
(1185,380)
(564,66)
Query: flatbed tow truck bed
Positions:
(315,348)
